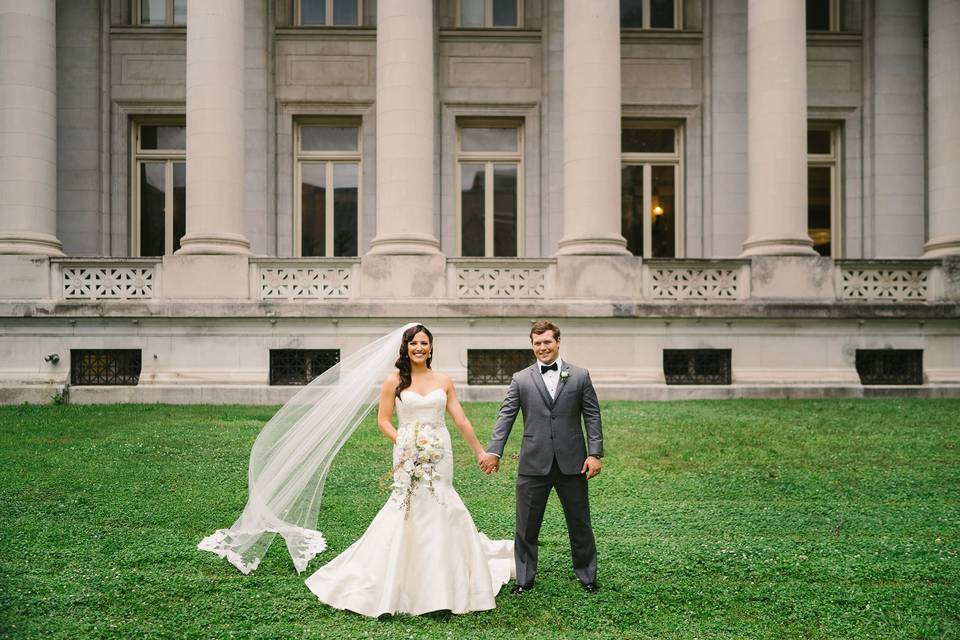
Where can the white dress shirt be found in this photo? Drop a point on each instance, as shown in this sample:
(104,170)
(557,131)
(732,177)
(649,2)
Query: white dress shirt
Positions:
(552,378)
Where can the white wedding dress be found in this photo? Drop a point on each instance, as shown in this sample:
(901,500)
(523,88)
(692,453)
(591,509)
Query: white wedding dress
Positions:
(427,557)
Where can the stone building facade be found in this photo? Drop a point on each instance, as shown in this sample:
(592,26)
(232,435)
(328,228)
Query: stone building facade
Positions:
(212,200)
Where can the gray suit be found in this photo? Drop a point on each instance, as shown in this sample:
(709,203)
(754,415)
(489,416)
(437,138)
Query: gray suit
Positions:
(551,456)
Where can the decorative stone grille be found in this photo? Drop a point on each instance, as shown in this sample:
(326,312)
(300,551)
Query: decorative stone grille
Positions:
(105,367)
(107,283)
(500,283)
(883,284)
(695,284)
(697,366)
(303,283)
(496,366)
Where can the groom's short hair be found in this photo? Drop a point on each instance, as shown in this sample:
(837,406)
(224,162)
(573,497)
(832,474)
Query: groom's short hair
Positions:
(542,326)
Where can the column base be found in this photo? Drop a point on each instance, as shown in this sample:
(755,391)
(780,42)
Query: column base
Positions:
(778,246)
(214,243)
(30,243)
(597,244)
(405,244)
(942,246)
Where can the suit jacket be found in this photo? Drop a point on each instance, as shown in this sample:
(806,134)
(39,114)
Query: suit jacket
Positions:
(551,427)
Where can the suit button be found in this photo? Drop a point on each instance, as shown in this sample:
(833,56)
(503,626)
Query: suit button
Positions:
(553,417)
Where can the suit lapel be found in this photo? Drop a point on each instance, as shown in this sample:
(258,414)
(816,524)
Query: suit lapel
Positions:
(538,383)
(561,383)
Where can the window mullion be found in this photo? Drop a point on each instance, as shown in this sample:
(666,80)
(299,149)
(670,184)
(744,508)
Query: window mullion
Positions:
(328,19)
(168,207)
(647,201)
(645,18)
(328,205)
(297,230)
(488,14)
(488,209)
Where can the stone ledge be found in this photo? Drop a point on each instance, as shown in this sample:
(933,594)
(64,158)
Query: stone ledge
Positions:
(267,395)
(433,308)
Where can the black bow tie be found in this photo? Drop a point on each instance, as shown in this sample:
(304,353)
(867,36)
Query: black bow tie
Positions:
(548,367)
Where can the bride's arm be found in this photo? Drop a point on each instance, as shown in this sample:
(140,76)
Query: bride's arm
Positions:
(460,419)
(385,410)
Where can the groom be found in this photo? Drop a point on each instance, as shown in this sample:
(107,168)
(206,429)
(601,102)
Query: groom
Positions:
(553,396)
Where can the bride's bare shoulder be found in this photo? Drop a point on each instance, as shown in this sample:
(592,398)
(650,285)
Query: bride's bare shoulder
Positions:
(446,382)
(392,380)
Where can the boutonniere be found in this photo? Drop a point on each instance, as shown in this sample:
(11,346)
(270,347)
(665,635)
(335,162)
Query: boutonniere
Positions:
(564,375)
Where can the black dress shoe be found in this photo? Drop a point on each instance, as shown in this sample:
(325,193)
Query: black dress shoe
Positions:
(521,589)
(591,587)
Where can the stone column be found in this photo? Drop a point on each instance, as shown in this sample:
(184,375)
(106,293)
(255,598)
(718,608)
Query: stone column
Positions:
(944,129)
(591,128)
(405,128)
(777,128)
(215,105)
(28,128)
(895,121)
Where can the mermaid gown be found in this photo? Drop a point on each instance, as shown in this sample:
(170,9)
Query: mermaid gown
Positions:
(422,552)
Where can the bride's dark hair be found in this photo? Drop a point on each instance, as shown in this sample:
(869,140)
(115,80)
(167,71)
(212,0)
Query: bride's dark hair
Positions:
(403,362)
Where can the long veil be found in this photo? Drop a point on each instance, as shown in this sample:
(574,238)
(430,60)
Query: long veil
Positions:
(292,454)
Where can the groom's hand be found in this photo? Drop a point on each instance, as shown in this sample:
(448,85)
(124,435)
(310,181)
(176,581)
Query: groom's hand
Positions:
(591,466)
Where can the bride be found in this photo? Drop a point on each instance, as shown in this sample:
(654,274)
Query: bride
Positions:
(422,551)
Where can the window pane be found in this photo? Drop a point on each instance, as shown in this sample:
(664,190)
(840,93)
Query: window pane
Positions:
(505,210)
(472,183)
(662,212)
(818,15)
(819,203)
(153,12)
(631,207)
(345,12)
(345,202)
(179,11)
(647,140)
(505,13)
(819,141)
(313,12)
(163,137)
(313,202)
(488,139)
(152,202)
(179,203)
(317,138)
(471,13)
(661,14)
(631,14)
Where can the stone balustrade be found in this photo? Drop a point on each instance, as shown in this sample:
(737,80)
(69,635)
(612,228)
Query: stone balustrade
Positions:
(279,280)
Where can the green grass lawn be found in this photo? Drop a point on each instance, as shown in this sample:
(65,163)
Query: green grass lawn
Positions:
(714,519)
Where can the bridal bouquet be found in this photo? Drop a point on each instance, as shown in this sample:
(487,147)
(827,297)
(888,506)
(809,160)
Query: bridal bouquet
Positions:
(419,454)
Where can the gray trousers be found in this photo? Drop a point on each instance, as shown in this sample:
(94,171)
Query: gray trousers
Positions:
(532,494)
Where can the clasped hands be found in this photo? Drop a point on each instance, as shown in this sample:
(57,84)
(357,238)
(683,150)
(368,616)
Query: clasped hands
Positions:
(488,463)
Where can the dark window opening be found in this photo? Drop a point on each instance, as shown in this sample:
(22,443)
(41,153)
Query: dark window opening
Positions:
(300,366)
(890,366)
(496,366)
(697,366)
(105,367)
